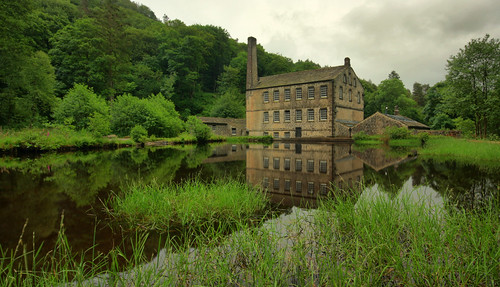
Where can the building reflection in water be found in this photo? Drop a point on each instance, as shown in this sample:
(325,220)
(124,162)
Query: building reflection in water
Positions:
(298,174)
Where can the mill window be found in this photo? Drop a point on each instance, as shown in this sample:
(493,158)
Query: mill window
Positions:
(324,91)
(276,96)
(350,96)
(298,186)
(266,117)
(341,93)
(287,164)
(287,115)
(310,165)
(298,94)
(276,163)
(287,95)
(287,185)
(276,183)
(266,97)
(322,166)
(298,115)
(310,115)
(266,162)
(359,98)
(310,187)
(276,116)
(323,114)
(310,92)
(298,165)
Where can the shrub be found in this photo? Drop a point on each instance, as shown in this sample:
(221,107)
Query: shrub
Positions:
(361,136)
(198,129)
(466,126)
(395,133)
(138,133)
(156,114)
(423,137)
(78,106)
(99,125)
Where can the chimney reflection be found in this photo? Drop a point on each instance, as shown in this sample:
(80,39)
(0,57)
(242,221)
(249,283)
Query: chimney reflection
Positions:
(299,174)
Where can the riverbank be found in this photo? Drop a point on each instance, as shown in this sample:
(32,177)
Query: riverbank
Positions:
(37,140)
(369,241)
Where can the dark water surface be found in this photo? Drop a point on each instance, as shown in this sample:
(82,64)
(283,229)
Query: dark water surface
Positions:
(38,190)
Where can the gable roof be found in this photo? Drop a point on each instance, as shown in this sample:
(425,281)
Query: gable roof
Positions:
(406,121)
(301,77)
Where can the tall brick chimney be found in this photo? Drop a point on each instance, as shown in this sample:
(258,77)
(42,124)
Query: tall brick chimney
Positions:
(252,75)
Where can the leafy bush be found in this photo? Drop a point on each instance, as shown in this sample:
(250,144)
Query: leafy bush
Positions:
(361,136)
(138,133)
(423,137)
(397,133)
(78,106)
(466,126)
(99,125)
(198,129)
(156,114)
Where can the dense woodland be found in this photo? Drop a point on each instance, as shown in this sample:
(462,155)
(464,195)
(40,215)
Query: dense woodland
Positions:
(109,65)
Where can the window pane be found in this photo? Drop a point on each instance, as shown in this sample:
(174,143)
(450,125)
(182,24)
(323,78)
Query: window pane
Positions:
(341,93)
(287,115)
(323,114)
(322,166)
(287,164)
(298,186)
(310,187)
(287,94)
(276,163)
(310,92)
(276,183)
(324,91)
(266,97)
(266,162)
(310,165)
(298,165)
(298,115)
(266,117)
(310,115)
(276,96)
(298,94)
(276,116)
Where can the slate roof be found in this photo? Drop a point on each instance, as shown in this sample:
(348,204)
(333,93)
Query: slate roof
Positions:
(301,77)
(408,122)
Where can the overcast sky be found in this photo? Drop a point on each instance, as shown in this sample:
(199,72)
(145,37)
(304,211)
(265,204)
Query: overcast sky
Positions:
(412,37)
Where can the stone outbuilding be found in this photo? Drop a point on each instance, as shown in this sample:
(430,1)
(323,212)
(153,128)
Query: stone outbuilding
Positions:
(225,126)
(317,103)
(378,122)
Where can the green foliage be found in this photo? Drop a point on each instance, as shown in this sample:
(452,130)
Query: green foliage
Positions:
(80,104)
(360,136)
(395,133)
(155,113)
(138,133)
(99,125)
(229,105)
(442,122)
(474,76)
(198,129)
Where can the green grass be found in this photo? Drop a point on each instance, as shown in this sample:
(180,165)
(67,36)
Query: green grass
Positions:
(192,203)
(480,152)
(371,241)
(250,139)
(51,139)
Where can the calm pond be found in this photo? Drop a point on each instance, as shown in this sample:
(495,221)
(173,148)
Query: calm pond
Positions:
(40,189)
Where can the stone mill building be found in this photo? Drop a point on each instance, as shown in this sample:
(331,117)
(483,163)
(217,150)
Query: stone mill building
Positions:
(320,103)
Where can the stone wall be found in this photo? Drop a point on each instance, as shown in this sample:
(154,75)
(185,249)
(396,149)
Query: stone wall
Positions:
(225,126)
(375,124)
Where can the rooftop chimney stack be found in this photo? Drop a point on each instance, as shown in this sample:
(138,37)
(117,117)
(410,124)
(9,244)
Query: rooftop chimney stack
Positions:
(252,75)
(347,62)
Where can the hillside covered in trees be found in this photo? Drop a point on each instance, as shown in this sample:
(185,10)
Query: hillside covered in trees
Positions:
(109,65)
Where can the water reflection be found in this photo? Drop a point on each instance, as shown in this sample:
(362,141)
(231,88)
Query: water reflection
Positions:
(298,174)
(40,188)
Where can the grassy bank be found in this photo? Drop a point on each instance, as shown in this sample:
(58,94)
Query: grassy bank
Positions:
(189,204)
(372,242)
(472,151)
(52,139)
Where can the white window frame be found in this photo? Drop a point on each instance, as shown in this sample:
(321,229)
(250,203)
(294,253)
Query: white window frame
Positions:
(310,115)
(265,95)
(298,115)
(310,93)
(276,116)
(323,91)
(323,114)
(276,95)
(287,95)
(298,94)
